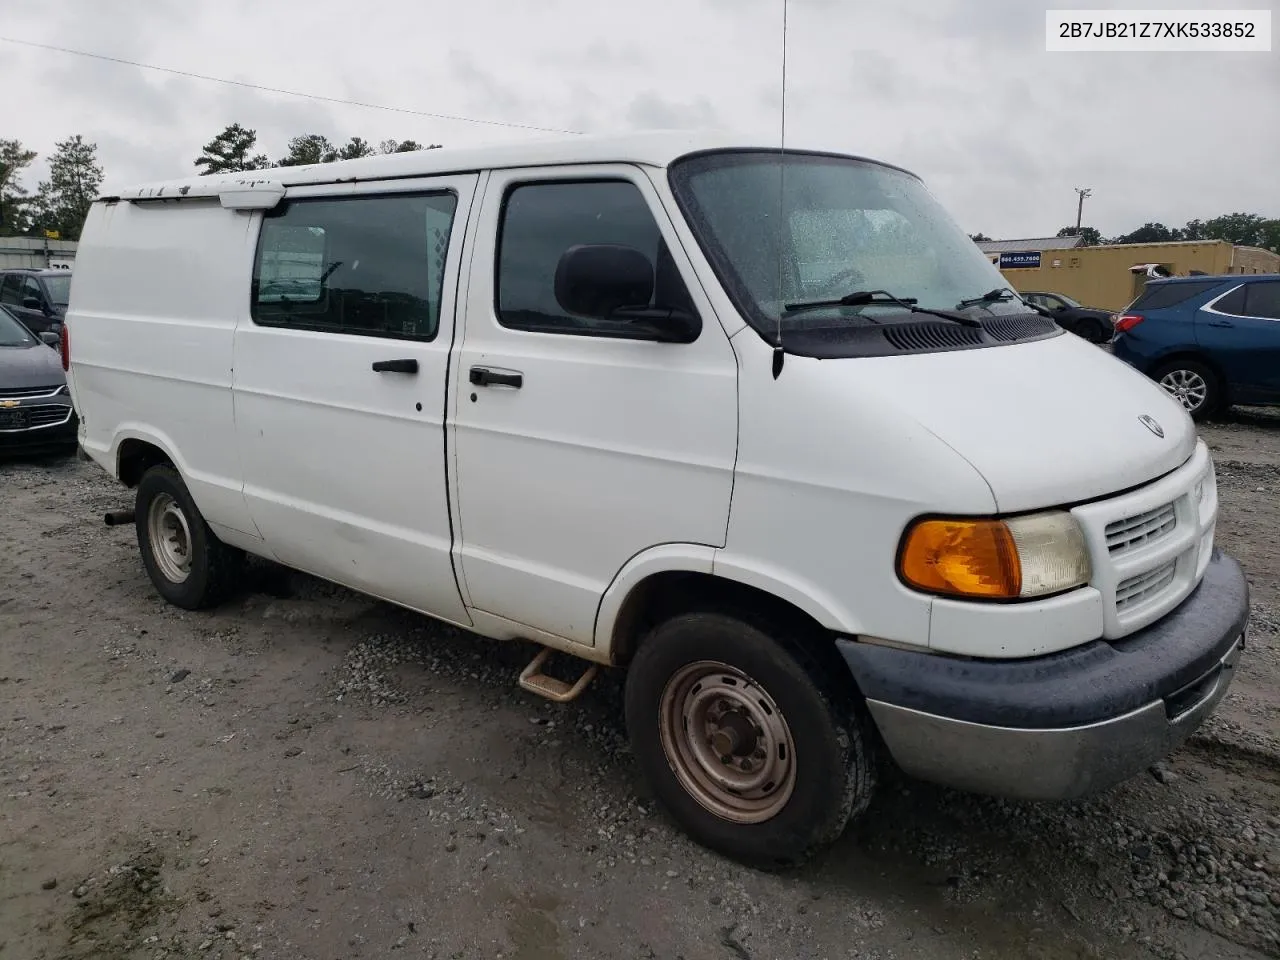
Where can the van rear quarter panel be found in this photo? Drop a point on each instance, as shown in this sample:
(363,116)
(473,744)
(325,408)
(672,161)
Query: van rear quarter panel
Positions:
(158,289)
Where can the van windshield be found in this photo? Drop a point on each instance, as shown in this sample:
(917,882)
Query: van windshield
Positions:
(846,225)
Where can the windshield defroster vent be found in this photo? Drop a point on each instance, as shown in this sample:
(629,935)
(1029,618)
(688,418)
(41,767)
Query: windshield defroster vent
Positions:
(1012,329)
(931,336)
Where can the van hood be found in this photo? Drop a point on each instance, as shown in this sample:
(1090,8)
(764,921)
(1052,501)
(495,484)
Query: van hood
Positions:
(1046,423)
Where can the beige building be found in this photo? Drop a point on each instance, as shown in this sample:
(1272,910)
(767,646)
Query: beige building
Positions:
(1111,276)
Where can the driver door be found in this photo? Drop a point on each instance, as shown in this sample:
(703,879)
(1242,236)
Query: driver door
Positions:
(579,446)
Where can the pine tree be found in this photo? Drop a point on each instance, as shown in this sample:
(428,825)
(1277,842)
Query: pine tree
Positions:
(14,215)
(231,151)
(63,200)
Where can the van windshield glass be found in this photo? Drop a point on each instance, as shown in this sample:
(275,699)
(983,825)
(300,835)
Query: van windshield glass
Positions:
(846,225)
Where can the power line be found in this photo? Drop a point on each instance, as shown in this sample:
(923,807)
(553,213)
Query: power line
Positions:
(289,93)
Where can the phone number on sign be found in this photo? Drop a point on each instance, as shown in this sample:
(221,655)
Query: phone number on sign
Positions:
(1154,29)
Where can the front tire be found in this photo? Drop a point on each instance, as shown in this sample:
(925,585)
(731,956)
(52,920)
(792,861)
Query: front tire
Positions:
(190,567)
(752,755)
(1193,385)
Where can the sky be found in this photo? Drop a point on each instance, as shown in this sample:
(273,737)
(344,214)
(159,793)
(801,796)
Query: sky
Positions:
(960,91)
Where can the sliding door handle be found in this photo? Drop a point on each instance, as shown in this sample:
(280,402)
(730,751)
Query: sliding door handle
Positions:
(484,377)
(395,366)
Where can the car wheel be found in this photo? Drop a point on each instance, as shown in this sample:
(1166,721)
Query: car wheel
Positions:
(753,754)
(190,567)
(1193,385)
(1095,331)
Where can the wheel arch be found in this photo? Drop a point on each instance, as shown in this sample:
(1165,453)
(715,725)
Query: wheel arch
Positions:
(1197,355)
(136,451)
(653,588)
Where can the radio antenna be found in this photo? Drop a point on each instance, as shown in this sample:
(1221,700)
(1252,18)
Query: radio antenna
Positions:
(778,353)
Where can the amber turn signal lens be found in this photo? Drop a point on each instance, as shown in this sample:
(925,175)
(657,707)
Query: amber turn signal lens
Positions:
(966,558)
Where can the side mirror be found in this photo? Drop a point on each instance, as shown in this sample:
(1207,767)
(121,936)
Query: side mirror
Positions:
(608,281)
(51,338)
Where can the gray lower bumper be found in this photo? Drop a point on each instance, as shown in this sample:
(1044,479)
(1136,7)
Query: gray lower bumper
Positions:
(1064,724)
(1047,764)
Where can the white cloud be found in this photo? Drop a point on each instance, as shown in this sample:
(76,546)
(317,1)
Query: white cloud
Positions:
(961,91)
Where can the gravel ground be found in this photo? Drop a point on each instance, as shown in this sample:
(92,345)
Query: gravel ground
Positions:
(307,773)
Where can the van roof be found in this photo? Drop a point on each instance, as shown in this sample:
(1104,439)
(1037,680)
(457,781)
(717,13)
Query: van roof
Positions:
(653,149)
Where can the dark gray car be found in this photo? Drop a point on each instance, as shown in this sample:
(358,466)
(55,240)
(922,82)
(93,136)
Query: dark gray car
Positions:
(1090,323)
(36,297)
(36,412)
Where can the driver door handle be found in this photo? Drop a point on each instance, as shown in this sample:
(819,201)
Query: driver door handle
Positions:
(1220,323)
(395,366)
(484,377)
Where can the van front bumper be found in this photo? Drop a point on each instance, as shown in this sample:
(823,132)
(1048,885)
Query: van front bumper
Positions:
(1063,725)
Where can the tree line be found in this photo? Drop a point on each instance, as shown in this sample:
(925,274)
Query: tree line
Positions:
(235,150)
(61,202)
(1245,229)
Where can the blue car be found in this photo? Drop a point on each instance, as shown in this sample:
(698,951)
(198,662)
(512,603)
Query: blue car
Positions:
(1209,341)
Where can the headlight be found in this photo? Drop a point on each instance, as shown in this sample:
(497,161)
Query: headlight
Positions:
(1031,556)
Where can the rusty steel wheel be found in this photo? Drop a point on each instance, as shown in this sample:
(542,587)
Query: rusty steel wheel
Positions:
(189,566)
(728,742)
(752,740)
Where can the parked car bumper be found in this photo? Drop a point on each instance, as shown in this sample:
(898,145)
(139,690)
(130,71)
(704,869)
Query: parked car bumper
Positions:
(31,425)
(1140,356)
(1064,725)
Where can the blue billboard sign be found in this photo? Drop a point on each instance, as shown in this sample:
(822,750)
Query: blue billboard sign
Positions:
(1023,259)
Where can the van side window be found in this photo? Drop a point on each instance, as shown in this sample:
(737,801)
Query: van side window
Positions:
(370,265)
(540,221)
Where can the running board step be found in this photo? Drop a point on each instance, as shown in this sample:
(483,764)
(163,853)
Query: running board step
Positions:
(535,681)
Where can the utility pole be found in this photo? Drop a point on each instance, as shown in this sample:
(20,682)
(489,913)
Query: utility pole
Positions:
(1083,192)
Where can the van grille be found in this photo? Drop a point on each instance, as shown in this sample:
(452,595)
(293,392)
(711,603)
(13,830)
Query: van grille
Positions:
(1132,532)
(1143,587)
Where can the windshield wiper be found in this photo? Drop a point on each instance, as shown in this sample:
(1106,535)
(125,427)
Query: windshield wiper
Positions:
(991,296)
(1001,294)
(862,298)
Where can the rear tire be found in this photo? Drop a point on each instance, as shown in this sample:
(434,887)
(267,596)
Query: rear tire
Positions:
(1095,331)
(1193,385)
(706,686)
(190,567)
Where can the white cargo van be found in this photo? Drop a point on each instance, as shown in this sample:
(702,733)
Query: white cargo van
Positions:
(765,428)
